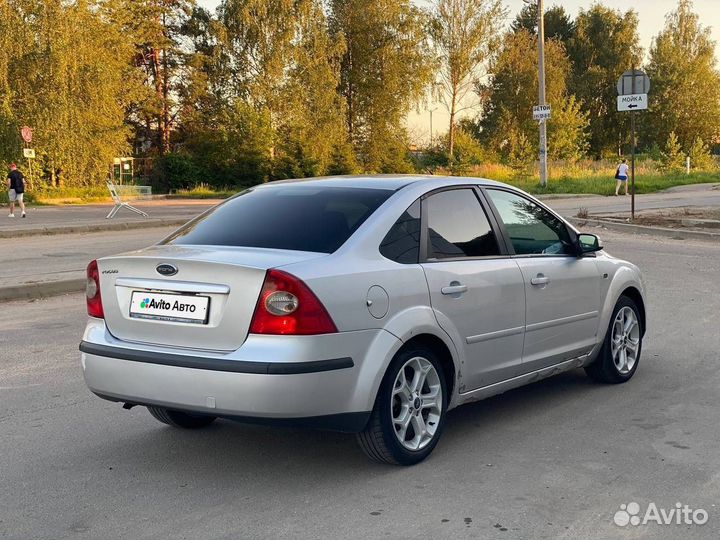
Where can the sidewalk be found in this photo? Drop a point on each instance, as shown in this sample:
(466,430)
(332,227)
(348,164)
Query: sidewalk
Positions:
(699,195)
(42,220)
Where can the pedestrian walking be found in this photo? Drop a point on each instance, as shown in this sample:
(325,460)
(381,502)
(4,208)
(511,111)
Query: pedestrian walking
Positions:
(16,189)
(621,175)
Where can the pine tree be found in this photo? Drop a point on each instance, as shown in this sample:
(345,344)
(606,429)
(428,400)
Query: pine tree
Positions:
(700,157)
(673,158)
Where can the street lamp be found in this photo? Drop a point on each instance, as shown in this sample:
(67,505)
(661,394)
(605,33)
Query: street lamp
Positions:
(541,88)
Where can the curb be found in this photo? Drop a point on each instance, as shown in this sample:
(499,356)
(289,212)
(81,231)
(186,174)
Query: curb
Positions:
(98,227)
(676,234)
(31,291)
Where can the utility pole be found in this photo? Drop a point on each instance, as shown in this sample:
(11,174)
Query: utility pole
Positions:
(541,91)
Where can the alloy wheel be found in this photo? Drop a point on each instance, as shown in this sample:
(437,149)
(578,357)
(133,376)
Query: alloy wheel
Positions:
(625,340)
(416,403)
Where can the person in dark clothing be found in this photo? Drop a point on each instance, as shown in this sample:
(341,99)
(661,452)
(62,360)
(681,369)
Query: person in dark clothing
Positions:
(16,189)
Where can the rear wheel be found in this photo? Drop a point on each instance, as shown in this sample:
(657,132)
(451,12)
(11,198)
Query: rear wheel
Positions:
(620,354)
(181,419)
(409,411)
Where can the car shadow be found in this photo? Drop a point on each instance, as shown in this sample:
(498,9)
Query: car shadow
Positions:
(228,451)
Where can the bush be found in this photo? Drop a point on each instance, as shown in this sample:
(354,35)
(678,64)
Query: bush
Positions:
(175,171)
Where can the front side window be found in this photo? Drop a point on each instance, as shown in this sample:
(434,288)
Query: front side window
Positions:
(532,229)
(402,242)
(458,227)
(294,217)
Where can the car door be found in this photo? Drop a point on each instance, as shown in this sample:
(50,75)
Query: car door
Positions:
(562,290)
(476,289)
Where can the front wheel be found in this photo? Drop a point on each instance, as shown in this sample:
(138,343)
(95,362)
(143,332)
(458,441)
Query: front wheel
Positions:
(620,354)
(180,419)
(409,411)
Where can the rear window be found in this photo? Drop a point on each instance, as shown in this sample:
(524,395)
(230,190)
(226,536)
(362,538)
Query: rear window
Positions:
(299,218)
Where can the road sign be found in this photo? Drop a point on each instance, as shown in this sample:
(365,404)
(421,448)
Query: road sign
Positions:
(29,153)
(633,81)
(634,102)
(542,112)
(26,133)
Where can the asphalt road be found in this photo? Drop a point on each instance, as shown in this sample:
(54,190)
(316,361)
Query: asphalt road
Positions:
(43,258)
(552,460)
(44,218)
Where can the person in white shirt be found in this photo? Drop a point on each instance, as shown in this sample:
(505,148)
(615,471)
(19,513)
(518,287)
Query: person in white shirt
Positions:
(622,177)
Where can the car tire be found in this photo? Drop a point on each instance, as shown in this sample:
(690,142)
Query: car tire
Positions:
(404,408)
(181,419)
(619,356)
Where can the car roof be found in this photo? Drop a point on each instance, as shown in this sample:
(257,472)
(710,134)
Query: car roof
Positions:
(392,182)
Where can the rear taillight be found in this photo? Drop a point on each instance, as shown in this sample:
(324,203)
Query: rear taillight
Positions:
(287,306)
(92,292)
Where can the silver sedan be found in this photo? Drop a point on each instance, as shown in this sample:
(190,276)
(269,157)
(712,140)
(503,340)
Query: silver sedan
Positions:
(371,305)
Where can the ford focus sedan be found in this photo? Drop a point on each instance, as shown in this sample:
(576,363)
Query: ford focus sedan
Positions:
(371,305)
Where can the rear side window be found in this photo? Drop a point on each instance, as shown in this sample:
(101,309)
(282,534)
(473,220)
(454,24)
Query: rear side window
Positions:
(458,226)
(294,217)
(402,242)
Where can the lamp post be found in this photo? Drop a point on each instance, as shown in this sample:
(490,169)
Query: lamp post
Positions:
(541,87)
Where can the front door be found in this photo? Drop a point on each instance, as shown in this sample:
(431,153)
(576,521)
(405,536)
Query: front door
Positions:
(562,290)
(476,290)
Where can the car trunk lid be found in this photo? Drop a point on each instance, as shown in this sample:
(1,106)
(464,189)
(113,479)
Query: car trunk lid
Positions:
(204,298)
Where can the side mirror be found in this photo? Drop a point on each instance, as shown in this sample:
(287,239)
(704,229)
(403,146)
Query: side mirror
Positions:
(588,243)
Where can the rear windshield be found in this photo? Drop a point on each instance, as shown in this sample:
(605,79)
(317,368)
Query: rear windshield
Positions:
(299,218)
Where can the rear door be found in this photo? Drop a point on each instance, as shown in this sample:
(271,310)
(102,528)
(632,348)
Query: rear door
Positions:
(476,290)
(562,290)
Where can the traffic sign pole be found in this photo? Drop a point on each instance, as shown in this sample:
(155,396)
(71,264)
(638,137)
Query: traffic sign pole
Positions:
(541,66)
(632,173)
(632,122)
(632,88)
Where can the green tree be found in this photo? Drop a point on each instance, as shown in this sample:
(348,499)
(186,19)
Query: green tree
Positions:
(513,90)
(384,70)
(465,36)
(682,67)
(314,123)
(558,24)
(71,82)
(673,158)
(605,44)
(700,156)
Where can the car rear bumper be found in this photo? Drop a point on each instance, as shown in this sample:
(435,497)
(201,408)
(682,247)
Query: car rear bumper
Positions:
(327,381)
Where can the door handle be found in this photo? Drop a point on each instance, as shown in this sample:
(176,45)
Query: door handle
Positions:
(540,279)
(454,288)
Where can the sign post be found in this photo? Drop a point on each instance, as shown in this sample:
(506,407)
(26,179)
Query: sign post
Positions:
(633,87)
(29,153)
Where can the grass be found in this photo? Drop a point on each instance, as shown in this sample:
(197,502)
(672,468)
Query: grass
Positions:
(605,185)
(588,177)
(591,177)
(203,192)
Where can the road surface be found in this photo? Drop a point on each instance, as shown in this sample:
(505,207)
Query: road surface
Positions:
(552,460)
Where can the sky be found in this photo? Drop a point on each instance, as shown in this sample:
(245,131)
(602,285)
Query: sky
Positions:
(652,19)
